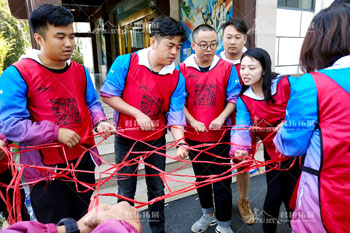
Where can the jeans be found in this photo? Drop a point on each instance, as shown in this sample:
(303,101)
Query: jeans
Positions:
(155,185)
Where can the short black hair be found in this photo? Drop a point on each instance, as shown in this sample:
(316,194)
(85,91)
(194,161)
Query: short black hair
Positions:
(237,23)
(202,27)
(49,14)
(164,26)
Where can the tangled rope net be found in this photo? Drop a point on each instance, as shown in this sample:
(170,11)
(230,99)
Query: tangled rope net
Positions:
(69,173)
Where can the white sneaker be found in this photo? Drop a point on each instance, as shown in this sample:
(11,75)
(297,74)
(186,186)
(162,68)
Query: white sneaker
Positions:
(220,229)
(203,223)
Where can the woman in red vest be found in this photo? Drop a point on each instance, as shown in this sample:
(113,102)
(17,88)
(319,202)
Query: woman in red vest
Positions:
(318,124)
(262,103)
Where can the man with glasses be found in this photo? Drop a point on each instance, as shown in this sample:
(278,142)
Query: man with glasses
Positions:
(212,89)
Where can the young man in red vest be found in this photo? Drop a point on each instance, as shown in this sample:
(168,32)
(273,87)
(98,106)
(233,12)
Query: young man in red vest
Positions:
(212,86)
(148,94)
(48,98)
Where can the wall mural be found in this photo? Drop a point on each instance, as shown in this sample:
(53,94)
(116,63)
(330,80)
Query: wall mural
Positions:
(196,12)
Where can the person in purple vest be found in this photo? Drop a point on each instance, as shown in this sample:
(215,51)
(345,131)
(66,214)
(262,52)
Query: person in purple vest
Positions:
(148,94)
(212,88)
(318,124)
(262,103)
(47,98)
(117,218)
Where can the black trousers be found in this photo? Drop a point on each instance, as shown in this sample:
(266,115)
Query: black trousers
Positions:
(280,187)
(221,189)
(5,179)
(155,186)
(57,199)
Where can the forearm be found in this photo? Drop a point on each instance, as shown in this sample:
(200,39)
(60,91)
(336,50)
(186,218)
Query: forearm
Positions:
(178,133)
(121,106)
(28,132)
(230,107)
(189,117)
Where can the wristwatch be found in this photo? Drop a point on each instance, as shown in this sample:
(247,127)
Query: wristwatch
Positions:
(70,225)
(180,144)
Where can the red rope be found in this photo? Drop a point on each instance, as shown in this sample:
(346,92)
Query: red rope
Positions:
(110,173)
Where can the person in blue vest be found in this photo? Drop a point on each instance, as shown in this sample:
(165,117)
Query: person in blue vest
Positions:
(234,38)
(148,94)
(212,88)
(262,103)
(47,98)
(318,125)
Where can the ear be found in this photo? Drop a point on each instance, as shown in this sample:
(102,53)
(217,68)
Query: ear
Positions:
(153,42)
(245,39)
(39,39)
(192,45)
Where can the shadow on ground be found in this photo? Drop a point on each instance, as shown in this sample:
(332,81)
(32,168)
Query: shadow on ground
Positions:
(181,214)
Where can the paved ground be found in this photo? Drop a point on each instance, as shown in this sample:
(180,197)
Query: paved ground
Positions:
(182,213)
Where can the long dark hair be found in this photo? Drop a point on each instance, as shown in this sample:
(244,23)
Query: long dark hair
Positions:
(265,61)
(327,38)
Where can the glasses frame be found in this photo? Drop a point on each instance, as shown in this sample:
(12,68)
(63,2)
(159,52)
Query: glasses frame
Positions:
(204,47)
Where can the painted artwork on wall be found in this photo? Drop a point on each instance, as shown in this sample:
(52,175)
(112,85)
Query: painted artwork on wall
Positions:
(196,12)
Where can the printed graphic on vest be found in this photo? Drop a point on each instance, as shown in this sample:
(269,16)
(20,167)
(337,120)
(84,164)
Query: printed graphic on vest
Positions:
(151,106)
(205,94)
(65,111)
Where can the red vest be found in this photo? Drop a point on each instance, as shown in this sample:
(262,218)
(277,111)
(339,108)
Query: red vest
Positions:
(59,98)
(206,97)
(334,126)
(150,93)
(263,115)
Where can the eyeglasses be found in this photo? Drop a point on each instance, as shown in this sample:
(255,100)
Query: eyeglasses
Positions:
(205,47)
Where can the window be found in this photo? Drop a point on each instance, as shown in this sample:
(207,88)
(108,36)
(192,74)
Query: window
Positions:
(297,4)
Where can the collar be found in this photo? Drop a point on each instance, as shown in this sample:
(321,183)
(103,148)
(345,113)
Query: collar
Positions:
(143,60)
(190,62)
(234,62)
(343,62)
(34,55)
(250,93)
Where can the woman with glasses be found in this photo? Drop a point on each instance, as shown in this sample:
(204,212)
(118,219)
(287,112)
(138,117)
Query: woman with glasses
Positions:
(212,88)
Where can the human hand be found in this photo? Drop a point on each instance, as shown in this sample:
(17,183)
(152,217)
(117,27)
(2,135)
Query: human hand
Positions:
(240,154)
(2,148)
(120,211)
(144,121)
(106,128)
(279,126)
(181,152)
(68,137)
(198,126)
(217,123)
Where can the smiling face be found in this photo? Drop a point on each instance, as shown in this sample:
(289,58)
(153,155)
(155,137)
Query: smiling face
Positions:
(57,43)
(233,41)
(251,72)
(166,49)
(204,45)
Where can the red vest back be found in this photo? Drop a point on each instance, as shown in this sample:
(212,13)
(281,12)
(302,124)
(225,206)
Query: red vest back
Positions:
(59,98)
(263,115)
(334,125)
(151,94)
(206,97)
